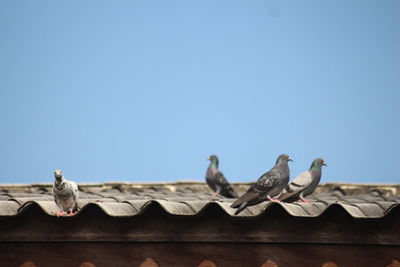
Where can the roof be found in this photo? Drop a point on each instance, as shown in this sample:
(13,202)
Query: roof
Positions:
(193,198)
(187,212)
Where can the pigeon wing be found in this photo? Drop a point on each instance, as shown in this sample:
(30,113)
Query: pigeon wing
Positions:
(75,194)
(265,183)
(226,188)
(210,179)
(295,187)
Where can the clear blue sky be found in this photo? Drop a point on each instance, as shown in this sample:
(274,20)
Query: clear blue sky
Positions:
(146,90)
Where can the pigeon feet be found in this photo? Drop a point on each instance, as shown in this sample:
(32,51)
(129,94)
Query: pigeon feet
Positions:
(63,213)
(59,213)
(215,194)
(273,199)
(305,200)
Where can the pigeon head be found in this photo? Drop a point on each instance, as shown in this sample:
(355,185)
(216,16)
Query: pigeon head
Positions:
(214,160)
(284,158)
(58,174)
(317,164)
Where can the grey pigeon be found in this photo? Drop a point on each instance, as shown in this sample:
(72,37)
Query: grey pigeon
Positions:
(217,181)
(304,184)
(269,185)
(65,193)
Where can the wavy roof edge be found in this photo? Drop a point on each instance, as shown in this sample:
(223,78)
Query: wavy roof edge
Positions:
(293,210)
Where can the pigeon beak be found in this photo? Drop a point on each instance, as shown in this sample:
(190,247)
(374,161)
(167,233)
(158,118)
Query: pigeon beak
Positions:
(324,164)
(208,158)
(290,159)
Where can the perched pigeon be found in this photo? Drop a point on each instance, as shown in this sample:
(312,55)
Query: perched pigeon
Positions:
(217,181)
(269,185)
(304,184)
(65,194)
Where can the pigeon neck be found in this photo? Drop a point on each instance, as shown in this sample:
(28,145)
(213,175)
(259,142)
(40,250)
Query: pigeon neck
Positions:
(214,164)
(283,165)
(280,163)
(315,168)
(59,181)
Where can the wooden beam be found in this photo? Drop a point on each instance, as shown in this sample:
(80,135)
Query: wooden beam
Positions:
(213,225)
(193,254)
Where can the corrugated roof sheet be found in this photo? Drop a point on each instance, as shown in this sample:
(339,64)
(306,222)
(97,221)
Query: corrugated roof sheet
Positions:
(191,199)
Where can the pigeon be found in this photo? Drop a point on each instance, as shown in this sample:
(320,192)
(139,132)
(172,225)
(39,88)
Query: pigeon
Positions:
(269,185)
(217,181)
(65,193)
(304,184)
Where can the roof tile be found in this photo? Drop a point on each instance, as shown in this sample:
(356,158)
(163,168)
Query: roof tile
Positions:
(138,205)
(354,210)
(23,200)
(314,209)
(115,209)
(370,210)
(48,207)
(175,208)
(197,205)
(296,209)
(8,208)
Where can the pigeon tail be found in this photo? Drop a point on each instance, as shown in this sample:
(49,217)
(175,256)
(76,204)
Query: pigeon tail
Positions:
(236,204)
(233,194)
(246,197)
(229,193)
(242,207)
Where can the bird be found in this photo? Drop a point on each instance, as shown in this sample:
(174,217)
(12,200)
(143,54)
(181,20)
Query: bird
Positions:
(65,194)
(217,181)
(269,185)
(304,184)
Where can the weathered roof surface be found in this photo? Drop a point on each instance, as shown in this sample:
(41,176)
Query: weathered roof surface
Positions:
(193,198)
(187,212)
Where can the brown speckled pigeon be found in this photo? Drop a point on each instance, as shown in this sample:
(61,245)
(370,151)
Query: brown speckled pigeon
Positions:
(217,181)
(304,184)
(269,185)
